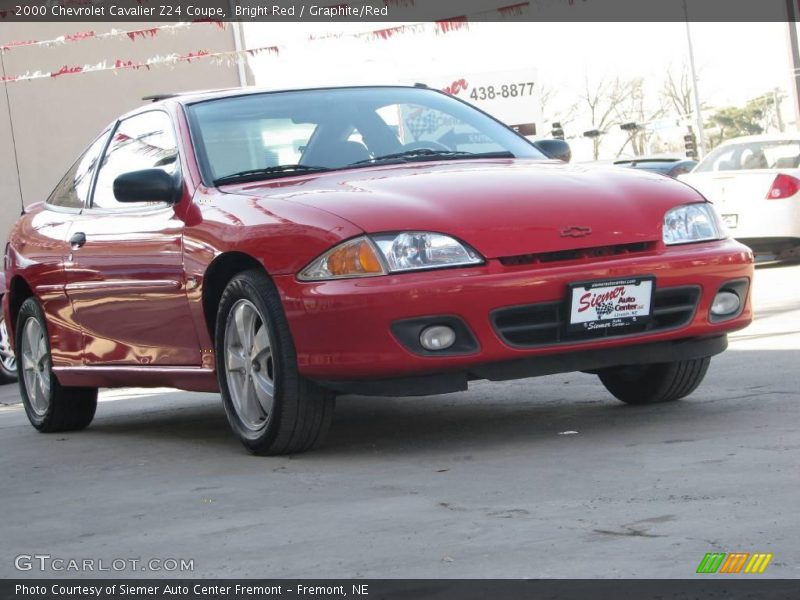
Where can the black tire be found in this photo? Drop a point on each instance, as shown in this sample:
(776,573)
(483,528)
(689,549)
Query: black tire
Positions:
(301,412)
(653,384)
(8,364)
(64,408)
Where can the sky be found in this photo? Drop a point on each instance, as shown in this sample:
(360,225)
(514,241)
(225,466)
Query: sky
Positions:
(735,61)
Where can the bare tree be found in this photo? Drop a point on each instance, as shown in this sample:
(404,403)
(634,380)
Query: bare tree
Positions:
(602,100)
(552,109)
(676,93)
(634,108)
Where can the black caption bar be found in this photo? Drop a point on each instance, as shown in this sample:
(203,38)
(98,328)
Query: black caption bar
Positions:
(397,10)
(581,589)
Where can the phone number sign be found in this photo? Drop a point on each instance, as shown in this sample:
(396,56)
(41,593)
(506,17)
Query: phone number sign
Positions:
(510,96)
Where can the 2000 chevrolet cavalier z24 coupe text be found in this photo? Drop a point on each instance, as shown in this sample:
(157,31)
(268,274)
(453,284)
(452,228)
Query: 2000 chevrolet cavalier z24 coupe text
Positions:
(286,247)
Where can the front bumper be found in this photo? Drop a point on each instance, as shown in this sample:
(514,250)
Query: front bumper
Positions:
(534,366)
(343,329)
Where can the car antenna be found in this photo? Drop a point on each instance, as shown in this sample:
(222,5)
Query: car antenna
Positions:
(13,137)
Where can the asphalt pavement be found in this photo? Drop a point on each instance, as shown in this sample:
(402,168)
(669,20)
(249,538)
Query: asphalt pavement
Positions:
(546,477)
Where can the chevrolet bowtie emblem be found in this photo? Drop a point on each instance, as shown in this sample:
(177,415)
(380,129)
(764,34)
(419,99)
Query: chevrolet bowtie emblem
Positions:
(575,231)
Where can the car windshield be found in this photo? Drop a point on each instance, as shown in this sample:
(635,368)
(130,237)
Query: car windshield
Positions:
(777,154)
(282,134)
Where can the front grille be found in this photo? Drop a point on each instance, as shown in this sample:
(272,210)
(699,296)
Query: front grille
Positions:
(544,324)
(543,258)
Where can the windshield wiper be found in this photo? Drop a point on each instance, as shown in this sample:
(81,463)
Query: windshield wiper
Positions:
(266,172)
(427,153)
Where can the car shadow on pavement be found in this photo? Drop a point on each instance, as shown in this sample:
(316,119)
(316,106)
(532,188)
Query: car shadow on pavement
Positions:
(488,415)
(177,416)
(535,413)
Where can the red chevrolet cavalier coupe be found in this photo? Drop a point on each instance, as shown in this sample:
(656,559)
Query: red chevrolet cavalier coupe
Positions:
(285,247)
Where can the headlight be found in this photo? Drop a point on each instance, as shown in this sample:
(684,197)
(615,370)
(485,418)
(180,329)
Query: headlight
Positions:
(368,256)
(410,251)
(692,223)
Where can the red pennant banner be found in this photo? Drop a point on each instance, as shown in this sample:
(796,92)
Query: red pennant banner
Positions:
(258,51)
(133,35)
(143,33)
(79,36)
(10,45)
(514,10)
(442,27)
(193,56)
(65,70)
(453,24)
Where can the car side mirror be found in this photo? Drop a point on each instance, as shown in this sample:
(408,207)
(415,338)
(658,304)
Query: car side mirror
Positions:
(148,185)
(557,149)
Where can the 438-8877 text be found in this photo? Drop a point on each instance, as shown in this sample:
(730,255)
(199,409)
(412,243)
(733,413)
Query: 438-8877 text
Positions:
(506,90)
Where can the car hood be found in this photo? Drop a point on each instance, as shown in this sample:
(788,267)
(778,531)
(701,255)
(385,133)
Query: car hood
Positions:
(500,207)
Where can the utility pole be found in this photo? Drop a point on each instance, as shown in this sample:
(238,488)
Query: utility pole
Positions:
(238,45)
(776,98)
(794,59)
(701,133)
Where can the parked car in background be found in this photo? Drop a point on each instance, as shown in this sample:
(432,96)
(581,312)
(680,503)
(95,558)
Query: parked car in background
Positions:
(754,182)
(285,247)
(665,166)
(8,362)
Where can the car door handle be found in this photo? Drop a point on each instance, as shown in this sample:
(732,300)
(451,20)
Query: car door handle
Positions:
(78,240)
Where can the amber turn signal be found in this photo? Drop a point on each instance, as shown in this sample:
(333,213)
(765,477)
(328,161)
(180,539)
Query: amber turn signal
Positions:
(354,259)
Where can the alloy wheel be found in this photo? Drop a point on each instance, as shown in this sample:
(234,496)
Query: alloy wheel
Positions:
(249,365)
(7,357)
(35,358)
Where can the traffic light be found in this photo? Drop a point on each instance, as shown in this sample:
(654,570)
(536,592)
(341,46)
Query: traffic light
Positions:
(592,133)
(629,127)
(557,132)
(690,143)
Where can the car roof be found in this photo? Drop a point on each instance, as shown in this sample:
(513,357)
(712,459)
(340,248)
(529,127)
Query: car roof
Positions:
(653,160)
(766,137)
(193,97)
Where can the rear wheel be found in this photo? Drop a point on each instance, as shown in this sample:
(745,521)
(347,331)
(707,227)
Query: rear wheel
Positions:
(653,384)
(270,407)
(8,360)
(50,406)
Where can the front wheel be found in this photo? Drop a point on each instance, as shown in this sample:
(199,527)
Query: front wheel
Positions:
(50,406)
(653,384)
(270,407)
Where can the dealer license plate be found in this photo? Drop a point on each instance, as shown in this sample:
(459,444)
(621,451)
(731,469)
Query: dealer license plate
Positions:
(610,305)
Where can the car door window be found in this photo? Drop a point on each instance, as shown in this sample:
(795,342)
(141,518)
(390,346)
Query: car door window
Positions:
(73,190)
(144,141)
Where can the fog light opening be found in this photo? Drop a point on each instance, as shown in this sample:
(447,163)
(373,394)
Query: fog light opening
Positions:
(725,304)
(437,337)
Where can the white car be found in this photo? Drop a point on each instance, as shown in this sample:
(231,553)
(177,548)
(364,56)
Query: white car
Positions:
(754,182)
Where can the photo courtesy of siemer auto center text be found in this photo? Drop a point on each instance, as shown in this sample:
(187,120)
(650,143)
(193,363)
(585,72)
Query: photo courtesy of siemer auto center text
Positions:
(400,299)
